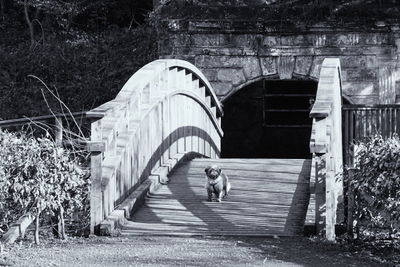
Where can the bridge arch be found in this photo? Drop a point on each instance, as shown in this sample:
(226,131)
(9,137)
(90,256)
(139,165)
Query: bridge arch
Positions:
(166,111)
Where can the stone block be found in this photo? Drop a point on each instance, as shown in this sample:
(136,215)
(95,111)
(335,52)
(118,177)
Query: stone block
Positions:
(223,51)
(293,40)
(236,76)
(208,40)
(356,61)
(241,40)
(362,74)
(222,88)
(365,99)
(211,74)
(271,41)
(179,40)
(286,67)
(344,39)
(251,67)
(248,41)
(360,88)
(206,61)
(303,65)
(250,64)
(268,65)
(316,66)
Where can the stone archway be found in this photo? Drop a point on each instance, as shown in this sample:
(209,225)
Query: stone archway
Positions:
(269,119)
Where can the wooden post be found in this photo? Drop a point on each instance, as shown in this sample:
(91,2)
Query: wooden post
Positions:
(350,204)
(58,138)
(58,131)
(96,209)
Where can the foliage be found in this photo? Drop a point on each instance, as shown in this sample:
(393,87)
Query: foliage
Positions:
(376,187)
(87,56)
(295,13)
(87,69)
(37,177)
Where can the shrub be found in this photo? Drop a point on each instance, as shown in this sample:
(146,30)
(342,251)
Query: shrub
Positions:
(38,177)
(376,188)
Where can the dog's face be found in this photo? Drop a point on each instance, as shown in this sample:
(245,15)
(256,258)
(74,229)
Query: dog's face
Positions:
(213,171)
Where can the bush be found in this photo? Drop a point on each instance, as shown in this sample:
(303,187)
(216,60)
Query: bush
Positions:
(376,188)
(38,177)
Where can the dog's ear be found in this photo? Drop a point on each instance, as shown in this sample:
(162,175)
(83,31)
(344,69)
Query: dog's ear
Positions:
(219,171)
(206,170)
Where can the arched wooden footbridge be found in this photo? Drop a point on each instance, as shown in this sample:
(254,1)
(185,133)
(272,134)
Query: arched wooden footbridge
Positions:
(168,118)
(149,147)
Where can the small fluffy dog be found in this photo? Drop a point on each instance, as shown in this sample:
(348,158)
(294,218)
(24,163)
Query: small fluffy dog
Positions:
(217,183)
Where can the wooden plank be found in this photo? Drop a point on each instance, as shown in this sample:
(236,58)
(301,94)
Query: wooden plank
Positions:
(259,205)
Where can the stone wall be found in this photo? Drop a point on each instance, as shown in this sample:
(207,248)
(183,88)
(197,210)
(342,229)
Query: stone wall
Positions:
(234,50)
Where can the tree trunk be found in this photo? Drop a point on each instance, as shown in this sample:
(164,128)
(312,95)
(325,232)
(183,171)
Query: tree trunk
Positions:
(3,9)
(61,229)
(37,228)
(29,22)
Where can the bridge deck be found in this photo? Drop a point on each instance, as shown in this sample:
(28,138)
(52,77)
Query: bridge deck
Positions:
(268,197)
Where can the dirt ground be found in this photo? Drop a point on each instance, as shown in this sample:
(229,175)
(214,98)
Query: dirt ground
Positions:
(184,251)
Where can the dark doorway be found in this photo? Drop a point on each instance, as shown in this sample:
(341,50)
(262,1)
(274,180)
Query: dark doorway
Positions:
(269,119)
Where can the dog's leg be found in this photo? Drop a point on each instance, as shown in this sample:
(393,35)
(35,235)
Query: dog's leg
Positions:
(227,185)
(209,193)
(220,195)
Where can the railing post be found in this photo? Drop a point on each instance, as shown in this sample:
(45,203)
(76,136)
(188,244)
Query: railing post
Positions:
(58,131)
(96,157)
(350,203)
(326,140)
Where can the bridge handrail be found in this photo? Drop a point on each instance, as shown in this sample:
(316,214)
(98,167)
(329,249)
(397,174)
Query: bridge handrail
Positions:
(326,141)
(160,66)
(90,115)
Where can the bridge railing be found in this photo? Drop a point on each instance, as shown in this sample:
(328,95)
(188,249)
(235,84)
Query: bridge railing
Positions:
(361,122)
(326,146)
(75,126)
(166,110)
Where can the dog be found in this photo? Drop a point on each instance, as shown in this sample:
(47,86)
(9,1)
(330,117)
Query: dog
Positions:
(217,183)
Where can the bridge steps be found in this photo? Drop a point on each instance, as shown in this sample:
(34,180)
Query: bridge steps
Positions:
(268,197)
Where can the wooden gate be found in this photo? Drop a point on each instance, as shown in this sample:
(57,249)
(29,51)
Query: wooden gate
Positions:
(360,122)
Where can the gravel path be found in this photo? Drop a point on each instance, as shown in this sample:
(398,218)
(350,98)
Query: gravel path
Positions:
(182,251)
